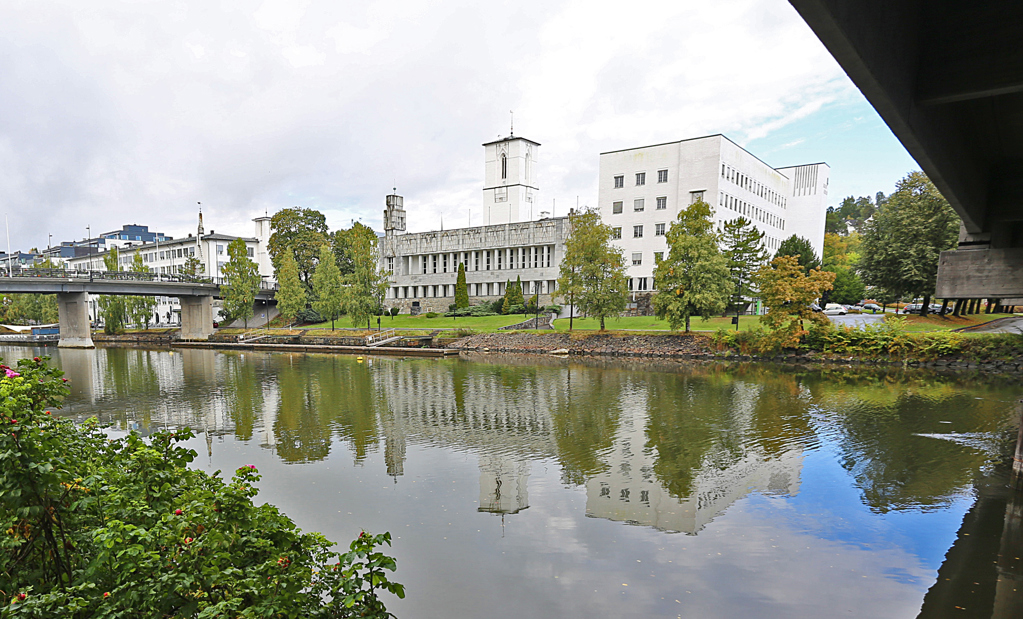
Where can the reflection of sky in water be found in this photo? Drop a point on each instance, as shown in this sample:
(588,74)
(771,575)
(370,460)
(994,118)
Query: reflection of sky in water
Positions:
(810,495)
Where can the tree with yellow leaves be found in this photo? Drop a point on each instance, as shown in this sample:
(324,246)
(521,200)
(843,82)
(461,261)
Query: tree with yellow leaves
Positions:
(788,292)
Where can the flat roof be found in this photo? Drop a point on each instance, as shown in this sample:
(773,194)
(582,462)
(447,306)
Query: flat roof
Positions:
(705,137)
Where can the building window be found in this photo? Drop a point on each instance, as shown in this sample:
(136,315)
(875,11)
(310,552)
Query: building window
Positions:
(658,229)
(630,284)
(619,182)
(500,259)
(637,232)
(434,263)
(616,233)
(637,258)
(695,196)
(658,256)
(637,205)
(220,250)
(616,208)
(642,284)
(444,268)
(504,166)
(662,203)
(640,178)
(662,176)
(390,265)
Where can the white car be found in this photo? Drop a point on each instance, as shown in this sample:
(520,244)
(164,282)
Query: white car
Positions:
(834,309)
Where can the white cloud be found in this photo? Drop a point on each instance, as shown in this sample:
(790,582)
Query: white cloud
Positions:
(118,113)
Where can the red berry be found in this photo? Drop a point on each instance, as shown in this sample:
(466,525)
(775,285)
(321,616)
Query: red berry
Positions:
(107,594)
(22,596)
(177,512)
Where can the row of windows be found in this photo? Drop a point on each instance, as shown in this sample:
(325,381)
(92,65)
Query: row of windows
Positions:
(662,177)
(500,259)
(476,290)
(637,231)
(749,184)
(163,255)
(639,205)
(745,208)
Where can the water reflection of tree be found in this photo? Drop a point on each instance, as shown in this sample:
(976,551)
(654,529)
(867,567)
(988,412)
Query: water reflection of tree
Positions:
(302,435)
(585,419)
(348,398)
(243,391)
(877,418)
(132,377)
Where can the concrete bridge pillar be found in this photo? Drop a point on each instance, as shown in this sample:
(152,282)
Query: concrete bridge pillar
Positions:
(196,317)
(73,315)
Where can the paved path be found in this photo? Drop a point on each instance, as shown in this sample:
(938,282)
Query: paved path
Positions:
(1001,325)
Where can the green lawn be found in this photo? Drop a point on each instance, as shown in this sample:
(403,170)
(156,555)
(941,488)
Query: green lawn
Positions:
(649,323)
(421,322)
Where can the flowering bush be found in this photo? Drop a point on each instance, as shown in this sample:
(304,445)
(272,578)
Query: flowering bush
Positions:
(94,527)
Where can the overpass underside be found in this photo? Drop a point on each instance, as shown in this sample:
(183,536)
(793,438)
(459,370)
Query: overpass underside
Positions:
(76,330)
(947,78)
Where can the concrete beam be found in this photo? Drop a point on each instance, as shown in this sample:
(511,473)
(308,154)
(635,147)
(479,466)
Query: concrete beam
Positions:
(980,274)
(196,317)
(73,316)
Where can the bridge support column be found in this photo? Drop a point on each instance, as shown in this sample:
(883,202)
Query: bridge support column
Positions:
(73,315)
(196,317)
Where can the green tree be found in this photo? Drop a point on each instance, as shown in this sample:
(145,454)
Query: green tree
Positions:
(693,279)
(291,296)
(461,288)
(788,292)
(903,241)
(113,308)
(193,268)
(743,248)
(242,282)
(139,309)
(848,287)
(366,284)
(101,526)
(592,272)
(301,231)
(341,242)
(327,286)
(803,251)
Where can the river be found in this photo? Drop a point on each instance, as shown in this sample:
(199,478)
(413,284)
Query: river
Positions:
(522,487)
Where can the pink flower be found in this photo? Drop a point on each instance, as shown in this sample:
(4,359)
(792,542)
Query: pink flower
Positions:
(11,373)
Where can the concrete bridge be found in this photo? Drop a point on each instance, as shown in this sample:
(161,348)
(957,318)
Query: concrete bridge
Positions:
(73,288)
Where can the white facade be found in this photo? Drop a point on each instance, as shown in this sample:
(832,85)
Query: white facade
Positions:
(424,265)
(510,189)
(641,191)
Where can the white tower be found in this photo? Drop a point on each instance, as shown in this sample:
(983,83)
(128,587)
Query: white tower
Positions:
(510,189)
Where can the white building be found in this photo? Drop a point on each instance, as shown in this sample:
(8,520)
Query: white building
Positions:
(641,191)
(424,265)
(168,256)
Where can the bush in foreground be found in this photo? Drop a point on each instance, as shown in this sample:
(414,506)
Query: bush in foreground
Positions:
(98,527)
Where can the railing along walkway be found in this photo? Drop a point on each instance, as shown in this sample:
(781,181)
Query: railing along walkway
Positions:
(382,337)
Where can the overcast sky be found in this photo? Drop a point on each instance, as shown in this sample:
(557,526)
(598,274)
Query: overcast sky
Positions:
(132,112)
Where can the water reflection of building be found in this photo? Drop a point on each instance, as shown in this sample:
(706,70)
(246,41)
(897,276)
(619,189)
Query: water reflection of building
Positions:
(731,467)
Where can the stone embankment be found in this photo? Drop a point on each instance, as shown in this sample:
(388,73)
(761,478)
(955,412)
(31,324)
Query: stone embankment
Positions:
(615,345)
(698,347)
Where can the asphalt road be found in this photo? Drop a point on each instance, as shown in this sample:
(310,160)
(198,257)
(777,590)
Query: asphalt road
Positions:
(857,320)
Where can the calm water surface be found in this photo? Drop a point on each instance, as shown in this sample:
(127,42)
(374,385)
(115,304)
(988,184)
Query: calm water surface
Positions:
(523,487)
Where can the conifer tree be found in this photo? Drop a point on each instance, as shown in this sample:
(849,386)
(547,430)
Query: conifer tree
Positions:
(803,251)
(461,288)
(743,247)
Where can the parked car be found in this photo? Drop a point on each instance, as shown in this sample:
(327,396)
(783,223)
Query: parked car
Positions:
(935,308)
(815,307)
(873,307)
(912,308)
(834,309)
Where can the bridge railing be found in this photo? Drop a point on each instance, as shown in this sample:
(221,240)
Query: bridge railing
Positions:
(134,276)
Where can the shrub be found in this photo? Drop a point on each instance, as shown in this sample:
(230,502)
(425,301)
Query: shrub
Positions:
(395,311)
(309,316)
(432,314)
(473,310)
(100,527)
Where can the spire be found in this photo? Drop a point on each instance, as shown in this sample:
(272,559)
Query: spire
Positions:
(512,112)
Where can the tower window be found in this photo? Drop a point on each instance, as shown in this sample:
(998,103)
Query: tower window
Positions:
(504,166)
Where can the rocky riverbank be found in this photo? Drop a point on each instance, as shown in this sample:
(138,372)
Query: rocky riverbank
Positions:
(700,347)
